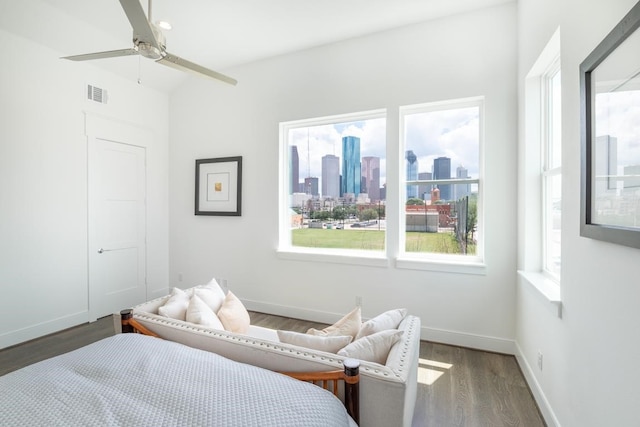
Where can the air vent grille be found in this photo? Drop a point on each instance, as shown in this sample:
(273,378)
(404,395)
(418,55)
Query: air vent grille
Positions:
(97,94)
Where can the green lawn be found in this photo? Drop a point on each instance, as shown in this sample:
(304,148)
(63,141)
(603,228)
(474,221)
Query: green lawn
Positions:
(373,240)
(345,239)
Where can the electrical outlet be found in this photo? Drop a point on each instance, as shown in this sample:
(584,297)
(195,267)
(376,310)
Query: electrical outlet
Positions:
(358,301)
(539,360)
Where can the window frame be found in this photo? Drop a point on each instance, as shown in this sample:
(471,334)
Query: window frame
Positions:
(470,264)
(530,162)
(285,249)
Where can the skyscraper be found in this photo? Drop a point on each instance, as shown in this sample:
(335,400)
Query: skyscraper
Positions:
(331,176)
(461,190)
(412,173)
(371,176)
(442,170)
(294,168)
(350,165)
(424,190)
(311,186)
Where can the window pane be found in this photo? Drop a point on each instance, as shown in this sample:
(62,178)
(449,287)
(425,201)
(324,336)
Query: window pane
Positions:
(552,179)
(553,224)
(555,123)
(337,185)
(442,145)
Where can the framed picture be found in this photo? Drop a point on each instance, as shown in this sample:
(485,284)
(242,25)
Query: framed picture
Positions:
(610,136)
(219,186)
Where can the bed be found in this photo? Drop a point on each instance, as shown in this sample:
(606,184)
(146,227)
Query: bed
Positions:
(133,380)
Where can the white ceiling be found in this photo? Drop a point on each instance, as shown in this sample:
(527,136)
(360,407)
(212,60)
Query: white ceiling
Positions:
(217,34)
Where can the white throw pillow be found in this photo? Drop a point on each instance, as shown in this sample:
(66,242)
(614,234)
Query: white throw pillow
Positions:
(387,320)
(373,348)
(329,344)
(212,294)
(176,305)
(233,315)
(348,325)
(200,313)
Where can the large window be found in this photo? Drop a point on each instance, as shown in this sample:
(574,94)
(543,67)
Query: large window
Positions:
(335,181)
(440,159)
(551,172)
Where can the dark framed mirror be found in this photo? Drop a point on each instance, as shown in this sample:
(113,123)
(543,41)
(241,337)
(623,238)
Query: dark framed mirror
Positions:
(610,136)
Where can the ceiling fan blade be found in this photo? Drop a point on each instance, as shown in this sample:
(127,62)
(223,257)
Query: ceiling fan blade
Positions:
(139,22)
(184,65)
(101,55)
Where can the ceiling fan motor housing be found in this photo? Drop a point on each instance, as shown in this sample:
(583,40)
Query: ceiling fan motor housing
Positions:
(148,50)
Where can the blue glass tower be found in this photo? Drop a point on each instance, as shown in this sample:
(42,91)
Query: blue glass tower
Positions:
(412,173)
(351,175)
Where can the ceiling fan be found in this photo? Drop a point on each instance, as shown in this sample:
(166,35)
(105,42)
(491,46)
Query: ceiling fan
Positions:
(149,42)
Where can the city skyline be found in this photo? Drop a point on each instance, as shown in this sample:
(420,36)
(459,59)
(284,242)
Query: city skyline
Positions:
(452,133)
(315,142)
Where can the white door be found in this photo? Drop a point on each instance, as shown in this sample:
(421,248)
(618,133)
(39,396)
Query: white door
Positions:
(117,226)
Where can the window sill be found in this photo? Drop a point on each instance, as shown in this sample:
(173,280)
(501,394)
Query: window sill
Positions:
(365,258)
(546,287)
(442,265)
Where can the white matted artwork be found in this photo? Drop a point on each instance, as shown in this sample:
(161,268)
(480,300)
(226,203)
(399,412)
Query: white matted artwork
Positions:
(219,186)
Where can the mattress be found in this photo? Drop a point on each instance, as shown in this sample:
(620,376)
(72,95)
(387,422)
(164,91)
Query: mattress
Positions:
(136,380)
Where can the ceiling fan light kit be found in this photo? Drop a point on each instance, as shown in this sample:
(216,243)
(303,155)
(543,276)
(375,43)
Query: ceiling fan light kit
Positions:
(149,42)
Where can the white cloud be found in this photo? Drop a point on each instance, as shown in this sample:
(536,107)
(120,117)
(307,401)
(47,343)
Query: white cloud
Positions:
(447,133)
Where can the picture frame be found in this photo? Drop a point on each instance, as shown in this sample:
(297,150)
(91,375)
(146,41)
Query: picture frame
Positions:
(219,186)
(610,138)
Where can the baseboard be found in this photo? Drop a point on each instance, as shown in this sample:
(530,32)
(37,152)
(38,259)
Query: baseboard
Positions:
(545,408)
(463,339)
(293,312)
(44,328)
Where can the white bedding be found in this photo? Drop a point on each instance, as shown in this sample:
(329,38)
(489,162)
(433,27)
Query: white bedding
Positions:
(135,380)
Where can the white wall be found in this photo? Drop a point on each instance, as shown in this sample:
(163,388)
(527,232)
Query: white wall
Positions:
(43,185)
(458,57)
(590,372)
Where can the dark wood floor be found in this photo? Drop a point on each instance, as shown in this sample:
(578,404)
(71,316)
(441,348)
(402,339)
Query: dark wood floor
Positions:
(457,387)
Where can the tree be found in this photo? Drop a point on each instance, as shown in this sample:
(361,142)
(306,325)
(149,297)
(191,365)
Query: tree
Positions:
(339,213)
(472,217)
(415,201)
(321,215)
(368,214)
